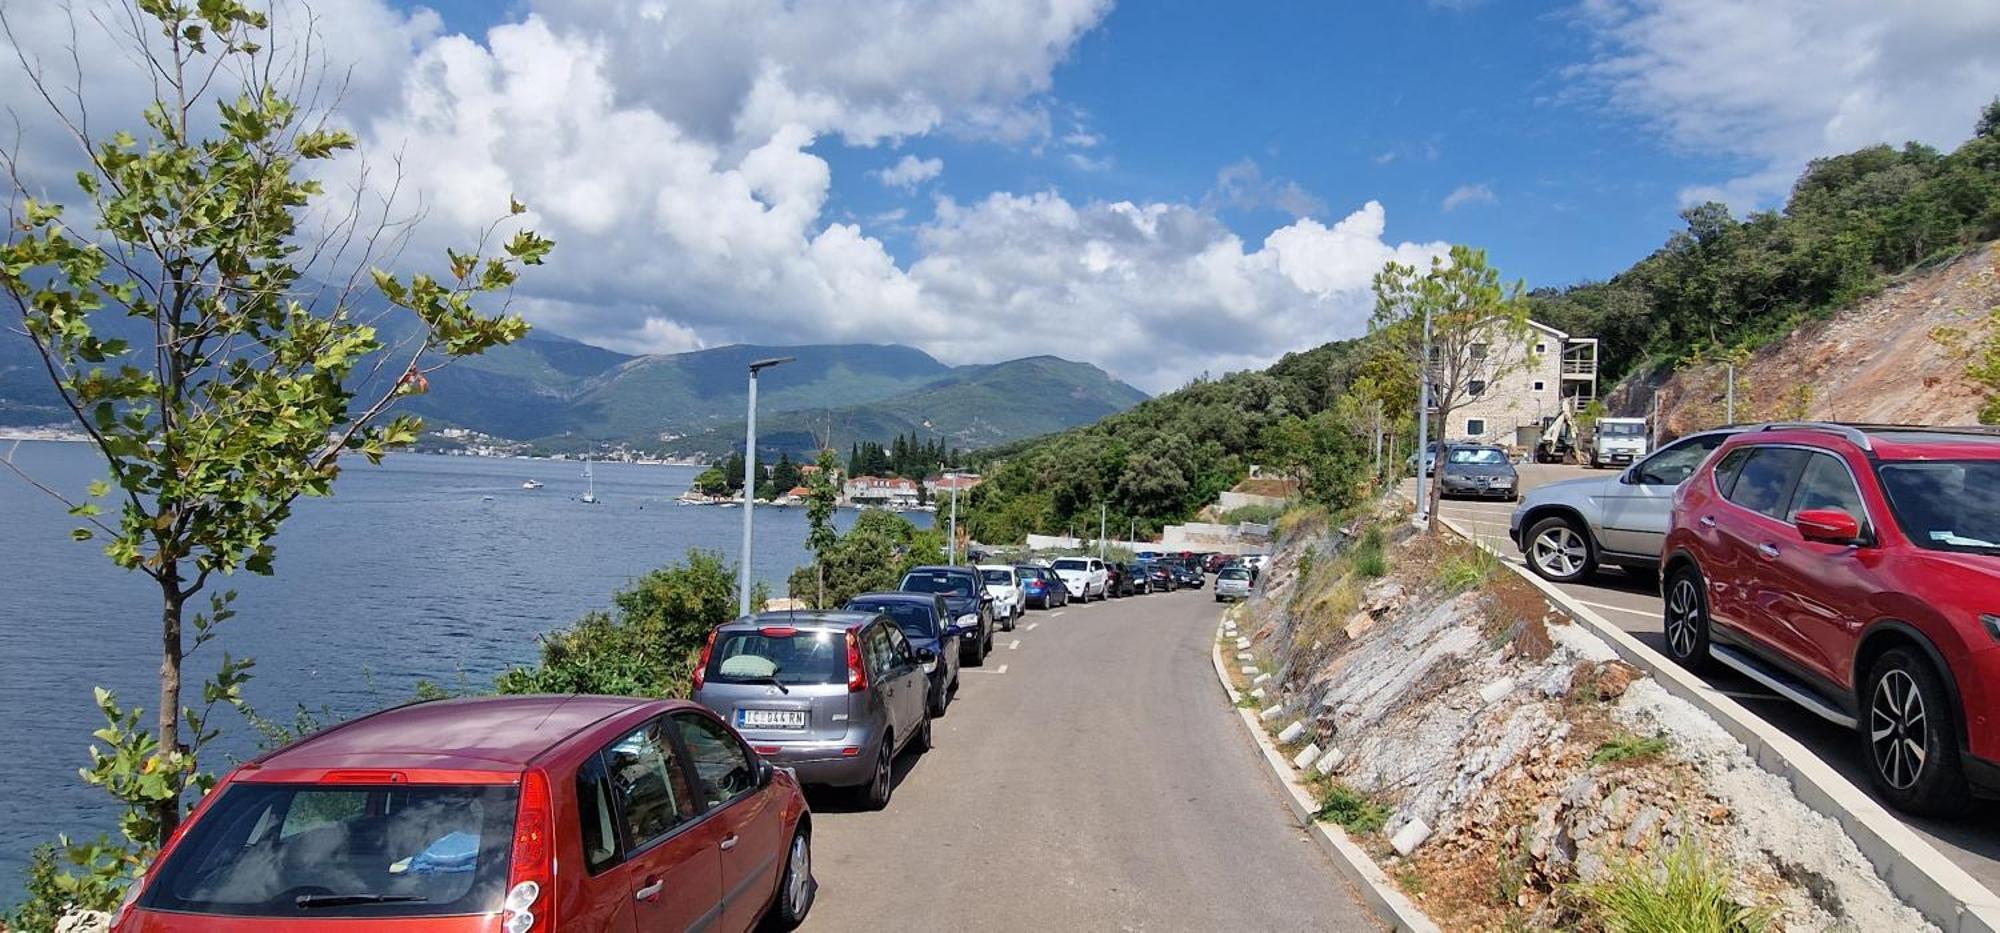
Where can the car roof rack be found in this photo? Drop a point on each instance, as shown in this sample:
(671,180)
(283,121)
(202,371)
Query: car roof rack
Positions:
(1853,434)
(1858,432)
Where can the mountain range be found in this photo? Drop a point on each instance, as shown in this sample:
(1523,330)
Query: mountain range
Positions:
(562,394)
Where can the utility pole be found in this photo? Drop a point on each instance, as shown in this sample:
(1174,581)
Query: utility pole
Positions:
(951,543)
(1730,416)
(750,479)
(1100,531)
(1424,425)
(1654,443)
(1378,441)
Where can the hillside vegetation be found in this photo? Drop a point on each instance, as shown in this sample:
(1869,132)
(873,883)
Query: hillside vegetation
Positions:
(1852,222)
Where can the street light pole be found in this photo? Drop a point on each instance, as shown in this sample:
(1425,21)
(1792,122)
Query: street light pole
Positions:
(1101,554)
(951,543)
(1424,425)
(750,479)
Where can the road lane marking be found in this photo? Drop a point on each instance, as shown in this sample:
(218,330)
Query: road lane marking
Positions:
(1016,643)
(1057,613)
(1648,613)
(1031,626)
(1002,669)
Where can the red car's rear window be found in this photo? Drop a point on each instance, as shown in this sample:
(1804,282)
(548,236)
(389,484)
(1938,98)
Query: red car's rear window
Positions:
(335,850)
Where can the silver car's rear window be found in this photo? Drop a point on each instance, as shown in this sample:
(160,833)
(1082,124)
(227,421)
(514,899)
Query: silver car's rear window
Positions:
(793,656)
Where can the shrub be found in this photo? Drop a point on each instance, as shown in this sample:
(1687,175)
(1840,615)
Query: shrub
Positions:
(1466,570)
(1354,811)
(646,646)
(1371,558)
(1629,748)
(1686,892)
(1254,514)
(873,555)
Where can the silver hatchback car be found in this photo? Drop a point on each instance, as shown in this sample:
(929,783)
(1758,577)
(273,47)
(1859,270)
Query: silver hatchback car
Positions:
(1232,582)
(1567,530)
(834,696)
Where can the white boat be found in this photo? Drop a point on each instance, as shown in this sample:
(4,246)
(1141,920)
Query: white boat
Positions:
(532,484)
(589,485)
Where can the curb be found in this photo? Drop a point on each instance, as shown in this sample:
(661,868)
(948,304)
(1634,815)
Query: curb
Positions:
(1914,870)
(1378,892)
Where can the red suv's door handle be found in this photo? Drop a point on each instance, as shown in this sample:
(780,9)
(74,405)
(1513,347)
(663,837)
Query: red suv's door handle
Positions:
(728,843)
(1768,550)
(1707,521)
(651,890)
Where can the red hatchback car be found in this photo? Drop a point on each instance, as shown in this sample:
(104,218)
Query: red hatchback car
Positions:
(1856,571)
(515,814)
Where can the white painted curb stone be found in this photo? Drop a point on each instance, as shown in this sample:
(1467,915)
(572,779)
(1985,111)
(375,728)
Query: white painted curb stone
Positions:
(1492,692)
(1292,733)
(1305,756)
(1242,643)
(1258,693)
(1245,656)
(1412,835)
(1329,761)
(1249,668)
(1260,679)
(1271,715)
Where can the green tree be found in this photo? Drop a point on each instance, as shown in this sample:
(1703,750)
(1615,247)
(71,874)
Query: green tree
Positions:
(713,482)
(647,644)
(1475,325)
(784,475)
(821,537)
(872,555)
(248,389)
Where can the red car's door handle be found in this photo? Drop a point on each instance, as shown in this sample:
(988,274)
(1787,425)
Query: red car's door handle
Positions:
(651,890)
(1707,521)
(1768,550)
(728,842)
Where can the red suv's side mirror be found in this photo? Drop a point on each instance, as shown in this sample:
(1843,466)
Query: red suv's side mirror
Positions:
(1829,526)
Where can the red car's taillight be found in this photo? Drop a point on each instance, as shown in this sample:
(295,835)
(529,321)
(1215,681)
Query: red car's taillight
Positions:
(701,666)
(531,902)
(857,678)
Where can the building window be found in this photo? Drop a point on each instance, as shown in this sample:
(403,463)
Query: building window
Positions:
(1541,348)
(1538,385)
(1476,388)
(1478,351)
(1475,427)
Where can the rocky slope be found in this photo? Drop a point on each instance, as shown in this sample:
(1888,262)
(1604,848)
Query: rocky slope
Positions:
(1502,764)
(1880,361)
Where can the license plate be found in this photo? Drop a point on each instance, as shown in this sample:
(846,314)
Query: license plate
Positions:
(770,719)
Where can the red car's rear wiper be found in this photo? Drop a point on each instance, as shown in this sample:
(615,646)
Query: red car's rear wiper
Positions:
(310,901)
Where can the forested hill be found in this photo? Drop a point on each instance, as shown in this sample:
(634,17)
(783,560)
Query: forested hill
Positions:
(1162,460)
(1727,284)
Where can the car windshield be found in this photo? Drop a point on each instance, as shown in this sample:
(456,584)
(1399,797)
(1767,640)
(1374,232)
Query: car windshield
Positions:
(1615,429)
(997,576)
(915,619)
(950,584)
(1233,573)
(1947,505)
(1478,455)
(1071,563)
(342,850)
(793,656)
(1027,573)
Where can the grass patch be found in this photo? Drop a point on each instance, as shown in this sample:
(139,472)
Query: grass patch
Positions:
(1685,892)
(1627,748)
(1301,517)
(1371,557)
(1466,570)
(1354,811)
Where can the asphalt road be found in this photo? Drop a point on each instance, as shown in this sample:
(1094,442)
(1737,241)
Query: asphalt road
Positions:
(1632,602)
(1092,776)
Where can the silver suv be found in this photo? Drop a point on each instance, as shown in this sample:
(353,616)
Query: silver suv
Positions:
(834,696)
(1567,530)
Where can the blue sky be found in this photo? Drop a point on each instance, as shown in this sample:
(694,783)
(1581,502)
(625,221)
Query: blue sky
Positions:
(1160,188)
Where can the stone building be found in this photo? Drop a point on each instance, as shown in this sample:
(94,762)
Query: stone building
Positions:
(1536,381)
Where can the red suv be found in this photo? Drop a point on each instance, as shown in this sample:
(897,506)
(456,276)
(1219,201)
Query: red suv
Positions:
(1856,571)
(512,814)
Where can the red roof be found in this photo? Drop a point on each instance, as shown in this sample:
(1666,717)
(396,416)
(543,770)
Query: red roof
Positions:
(471,734)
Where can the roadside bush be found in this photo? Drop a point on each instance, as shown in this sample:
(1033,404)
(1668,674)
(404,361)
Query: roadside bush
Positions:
(873,555)
(1466,570)
(1371,558)
(1629,748)
(646,645)
(1686,892)
(1355,812)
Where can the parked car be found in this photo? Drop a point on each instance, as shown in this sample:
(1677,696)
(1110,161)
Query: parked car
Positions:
(964,593)
(1138,583)
(1085,577)
(1161,576)
(1215,562)
(1232,583)
(1479,471)
(1853,570)
(1430,459)
(1188,576)
(1041,587)
(926,622)
(487,814)
(832,695)
(1566,530)
(1008,600)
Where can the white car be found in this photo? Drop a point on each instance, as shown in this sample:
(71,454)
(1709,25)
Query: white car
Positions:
(1085,577)
(1009,602)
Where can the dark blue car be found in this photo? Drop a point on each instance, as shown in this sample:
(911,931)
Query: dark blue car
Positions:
(971,608)
(925,621)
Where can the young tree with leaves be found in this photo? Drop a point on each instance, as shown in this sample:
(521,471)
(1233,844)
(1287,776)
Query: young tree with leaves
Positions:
(1477,329)
(251,383)
(821,499)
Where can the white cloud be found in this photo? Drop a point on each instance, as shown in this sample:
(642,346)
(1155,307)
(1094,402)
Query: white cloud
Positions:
(909,172)
(1779,82)
(1242,185)
(670,150)
(1469,194)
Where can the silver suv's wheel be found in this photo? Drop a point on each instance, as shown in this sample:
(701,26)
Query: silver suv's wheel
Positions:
(1560,551)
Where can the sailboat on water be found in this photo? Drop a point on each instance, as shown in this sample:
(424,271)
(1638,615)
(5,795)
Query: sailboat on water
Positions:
(589,484)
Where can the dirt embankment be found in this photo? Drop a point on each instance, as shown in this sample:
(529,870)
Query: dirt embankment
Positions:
(1500,762)
(1879,361)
